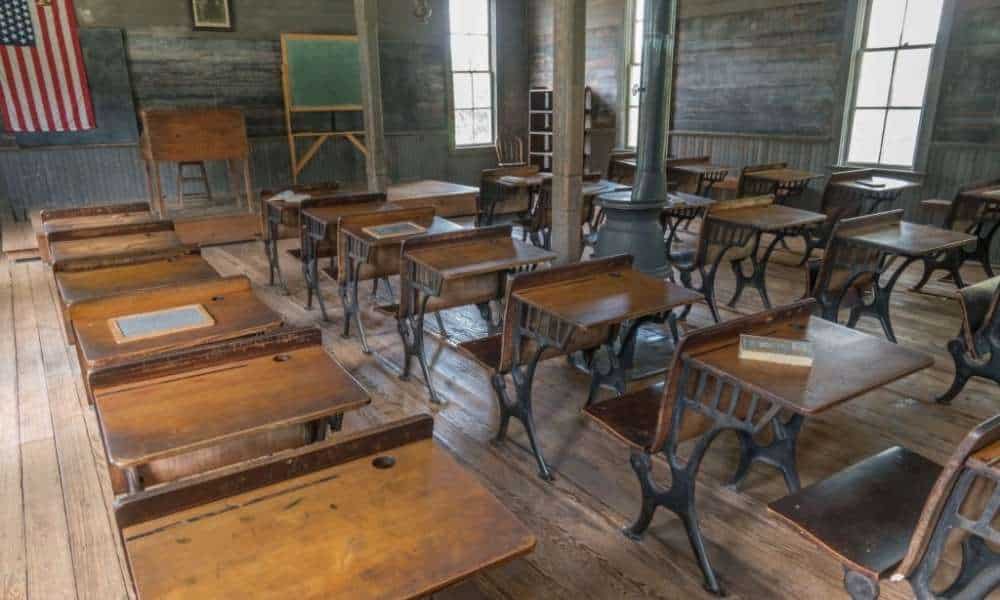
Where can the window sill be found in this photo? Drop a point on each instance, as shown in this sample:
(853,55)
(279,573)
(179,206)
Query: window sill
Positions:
(903,171)
(477,149)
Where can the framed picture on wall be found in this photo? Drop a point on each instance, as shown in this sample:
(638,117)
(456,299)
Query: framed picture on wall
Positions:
(212,15)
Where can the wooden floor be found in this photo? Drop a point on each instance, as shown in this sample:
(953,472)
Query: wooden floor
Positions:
(57,538)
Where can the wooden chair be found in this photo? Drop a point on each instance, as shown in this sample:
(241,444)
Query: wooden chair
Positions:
(507,354)
(891,514)
(748,186)
(692,402)
(510,151)
(848,270)
(319,240)
(967,214)
(615,171)
(976,350)
(837,203)
(716,240)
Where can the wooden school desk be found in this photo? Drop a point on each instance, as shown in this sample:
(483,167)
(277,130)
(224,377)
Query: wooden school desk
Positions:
(785,184)
(86,217)
(183,413)
(362,257)
(384,514)
(448,199)
(456,269)
(911,242)
(112,245)
(880,196)
(232,310)
(81,285)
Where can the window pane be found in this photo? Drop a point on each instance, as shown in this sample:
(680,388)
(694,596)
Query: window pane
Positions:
(873,80)
(463,90)
(900,137)
(923,17)
(910,81)
(635,79)
(464,134)
(469,16)
(638,36)
(482,90)
(885,23)
(482,126)
(633,127)
(479,52)
(461,53)
(640,10)
(866,136)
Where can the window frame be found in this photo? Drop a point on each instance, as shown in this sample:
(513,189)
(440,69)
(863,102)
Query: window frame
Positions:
(939,49)
(494,76)
(628,61)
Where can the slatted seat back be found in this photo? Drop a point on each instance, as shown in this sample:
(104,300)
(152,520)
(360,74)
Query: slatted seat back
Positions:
(695,396)
(383,260)
(718,237)
(515,312)
(973,460)
(747,186)
(444,294)
(841,202)
(847,263)
(510,151)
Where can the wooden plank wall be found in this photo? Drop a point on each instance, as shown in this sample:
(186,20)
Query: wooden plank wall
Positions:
(763,81)
(172,66)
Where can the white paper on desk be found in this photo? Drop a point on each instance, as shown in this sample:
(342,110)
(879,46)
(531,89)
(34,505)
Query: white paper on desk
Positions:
(290,197)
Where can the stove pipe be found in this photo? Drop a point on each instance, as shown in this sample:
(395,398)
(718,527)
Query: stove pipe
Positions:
(633,218)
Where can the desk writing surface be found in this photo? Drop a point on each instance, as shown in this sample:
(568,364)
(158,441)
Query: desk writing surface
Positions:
(784,175)
(331,214)
(77,286)
(846,364)
(603,186)
(475,257)
(698,169)
(524,181)
(231,303)
(149,420)
(349,531)
(912,239)
(990,193)
(448,199)
(773,217)
(684,200)
(135,244)
(607,298)
(439,225)
(105,220)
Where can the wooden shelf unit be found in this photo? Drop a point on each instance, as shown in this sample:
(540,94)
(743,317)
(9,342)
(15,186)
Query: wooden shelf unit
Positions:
(540,122)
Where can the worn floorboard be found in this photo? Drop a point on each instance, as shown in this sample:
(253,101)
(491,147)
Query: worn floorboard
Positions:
(49,440)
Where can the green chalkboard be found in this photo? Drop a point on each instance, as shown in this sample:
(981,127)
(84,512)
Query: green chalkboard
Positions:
(322,72)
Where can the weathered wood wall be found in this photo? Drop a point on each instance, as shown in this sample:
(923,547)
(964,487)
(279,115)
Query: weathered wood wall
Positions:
(764,81)
(172,66)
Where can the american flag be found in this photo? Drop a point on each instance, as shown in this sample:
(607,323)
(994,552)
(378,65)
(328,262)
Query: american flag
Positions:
(43,82)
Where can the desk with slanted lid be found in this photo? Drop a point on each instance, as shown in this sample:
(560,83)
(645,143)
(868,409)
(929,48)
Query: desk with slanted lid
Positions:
(113,245)
(231,303)
(456,269)
(911,242)
(619,300)
(384,514)
(362,257)
(87,217)
(79,286)
(778,220)
(235,397)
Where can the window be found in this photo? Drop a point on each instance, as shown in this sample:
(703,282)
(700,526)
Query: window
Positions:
(892,70)
(635,74)
(472,71)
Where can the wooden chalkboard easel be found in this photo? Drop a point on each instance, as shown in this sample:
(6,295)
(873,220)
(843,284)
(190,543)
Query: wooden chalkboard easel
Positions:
(319,73)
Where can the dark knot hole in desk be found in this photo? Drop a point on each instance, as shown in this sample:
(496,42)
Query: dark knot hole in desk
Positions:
(282,358)
(384,462)
(218,298)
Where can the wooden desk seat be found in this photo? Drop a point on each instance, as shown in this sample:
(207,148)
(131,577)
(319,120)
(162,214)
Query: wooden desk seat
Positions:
(384,514)
(114,245)
(203,408)
(976,350)
(891,514)
(87,217)
(230,302)
(76,285)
